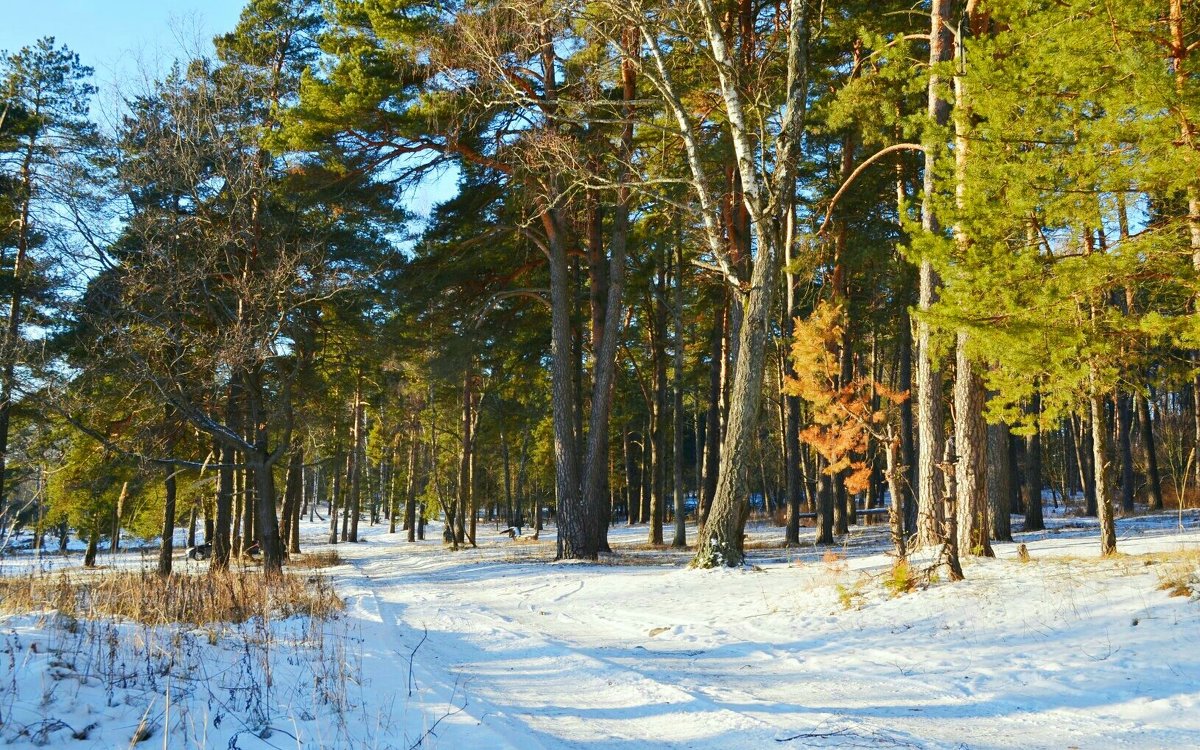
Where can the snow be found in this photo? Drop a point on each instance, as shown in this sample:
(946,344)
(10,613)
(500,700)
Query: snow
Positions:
(497,648)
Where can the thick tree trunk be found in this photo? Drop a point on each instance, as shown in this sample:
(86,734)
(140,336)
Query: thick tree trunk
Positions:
(721,544)
(930,435)
(970,466)
(999,479)
(595,472)
(825,504)
(722,540)
(574,540)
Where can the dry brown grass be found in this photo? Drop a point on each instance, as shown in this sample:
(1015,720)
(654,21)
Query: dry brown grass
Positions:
(231,596)
(314,560)
(1178,572)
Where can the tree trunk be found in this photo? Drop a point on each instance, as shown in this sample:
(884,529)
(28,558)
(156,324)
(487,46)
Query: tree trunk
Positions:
(790,404)
(1082,447)
(465,484)
(680,537)
(293,489)
(658,416)
(712,422)
(166,548)
(1124,415)
(1108,529)
(573,525)
(221,542)
(895,477)
(357,458)
(1143,407)
(632,483)
(721,544)
(261,460)
(949,553)
(1033,472)
(93,546)
(999,479)
(908,453)
(12,331)
(825,504)
(410,490)
(971,463)
(930,427)
(335,492)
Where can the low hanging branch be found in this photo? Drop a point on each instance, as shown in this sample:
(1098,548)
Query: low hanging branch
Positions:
(854,175)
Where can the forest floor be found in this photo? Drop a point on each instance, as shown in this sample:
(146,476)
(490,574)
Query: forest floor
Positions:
(499,647)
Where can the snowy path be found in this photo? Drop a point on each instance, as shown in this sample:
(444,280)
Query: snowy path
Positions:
(1059,654)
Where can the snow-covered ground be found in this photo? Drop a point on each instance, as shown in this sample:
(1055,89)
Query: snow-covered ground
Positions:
(498,647)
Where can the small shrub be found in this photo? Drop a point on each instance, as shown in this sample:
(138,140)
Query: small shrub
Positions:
(901,579)
(851,597)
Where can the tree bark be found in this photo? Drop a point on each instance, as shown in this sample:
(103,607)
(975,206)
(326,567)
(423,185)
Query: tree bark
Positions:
(167,546)
(1108,530)
(1143,406)
(357,459)
(999,479)
(293,489)
(679,416)
(261,460)
(825,504)
(971,463)
(1033,471)
(410,490)
(223,523)
(1124,415)
(930,435)
(712,423)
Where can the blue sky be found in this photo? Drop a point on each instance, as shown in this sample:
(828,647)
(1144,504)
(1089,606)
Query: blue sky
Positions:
(120,38)
(113,35)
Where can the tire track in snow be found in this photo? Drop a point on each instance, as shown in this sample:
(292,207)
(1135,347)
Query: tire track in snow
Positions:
(446,704)
(514,677)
